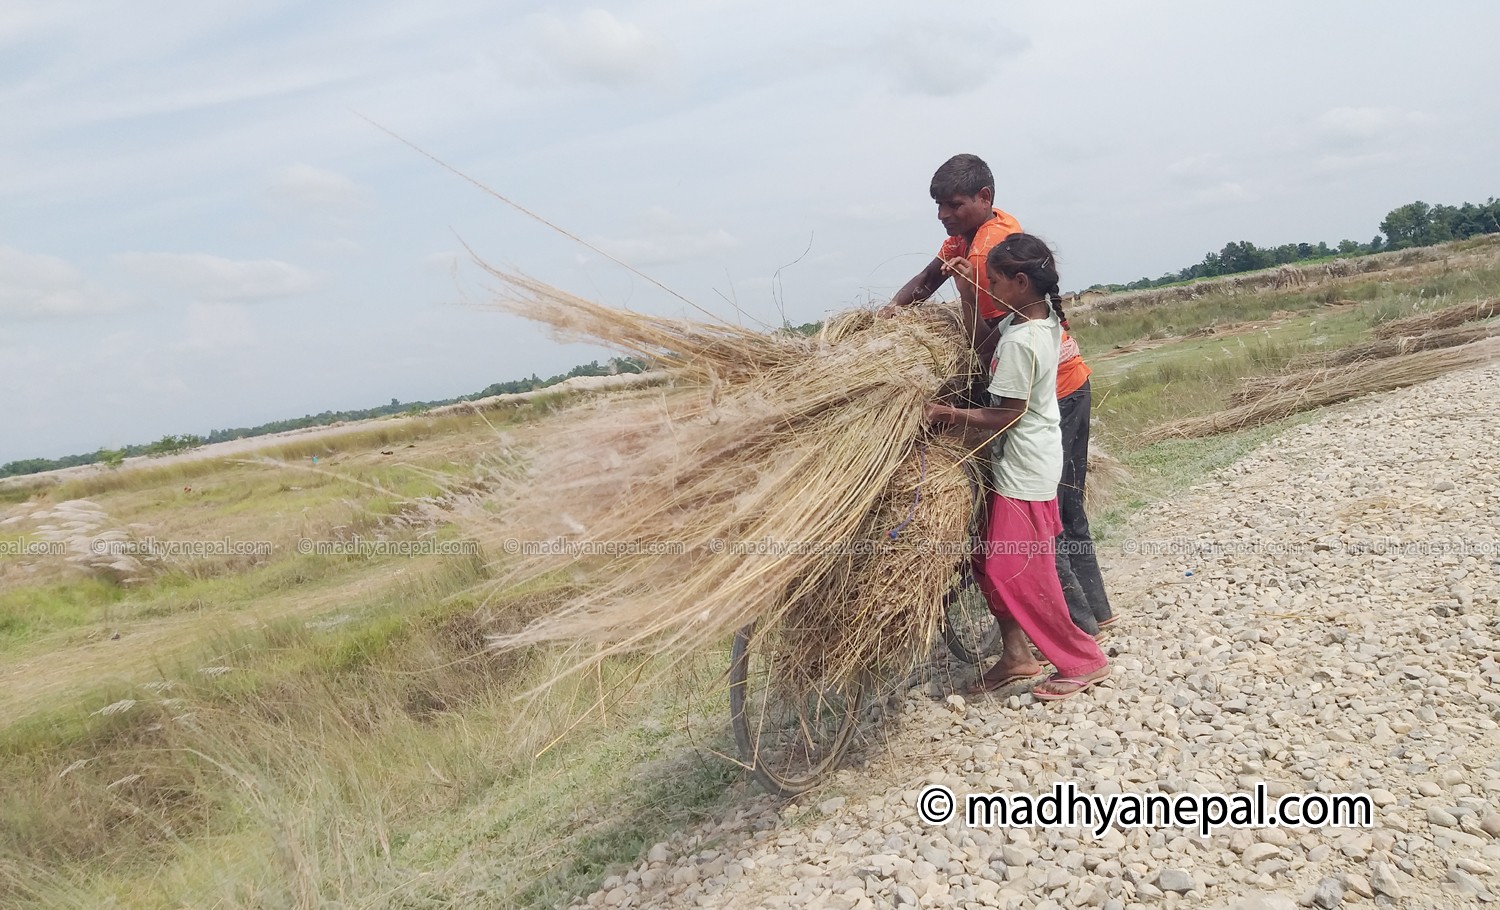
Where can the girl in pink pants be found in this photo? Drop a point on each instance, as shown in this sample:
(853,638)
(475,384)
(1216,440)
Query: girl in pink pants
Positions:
(1016,568)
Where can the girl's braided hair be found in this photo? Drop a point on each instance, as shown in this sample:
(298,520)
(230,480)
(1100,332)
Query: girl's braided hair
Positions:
(1026,254)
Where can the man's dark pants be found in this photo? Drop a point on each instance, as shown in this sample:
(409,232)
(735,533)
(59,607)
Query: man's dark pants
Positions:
(1077,567)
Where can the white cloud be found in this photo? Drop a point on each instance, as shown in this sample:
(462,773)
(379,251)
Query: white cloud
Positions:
(20,23)
(1225,191)
(875,212)
(444,262)
(34,285)
(215,327)
(1196,169)
(313,189)
(664,239)
(665,249)
(213,278)
(594,46)
(929,59)
(1364,125)
(342,247)
(1208,179)
(1338,163)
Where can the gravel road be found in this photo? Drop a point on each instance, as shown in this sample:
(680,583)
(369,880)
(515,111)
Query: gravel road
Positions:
(1321,617)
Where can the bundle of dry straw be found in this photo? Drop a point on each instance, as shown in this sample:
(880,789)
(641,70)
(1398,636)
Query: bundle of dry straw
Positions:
(784,480)
(1393,347)
(1316,388)
(1441,319)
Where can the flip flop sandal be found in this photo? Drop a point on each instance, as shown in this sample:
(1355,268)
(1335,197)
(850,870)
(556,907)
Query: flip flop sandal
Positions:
(1109,622)
(1078,685)
(981,686)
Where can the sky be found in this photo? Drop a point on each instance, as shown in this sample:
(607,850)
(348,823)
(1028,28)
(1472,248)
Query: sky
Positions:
(201,227)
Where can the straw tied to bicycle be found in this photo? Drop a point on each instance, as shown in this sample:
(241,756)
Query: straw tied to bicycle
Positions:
(962,423)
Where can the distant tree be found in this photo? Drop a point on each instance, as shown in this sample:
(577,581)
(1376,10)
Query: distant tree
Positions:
(171,445)
(1409,225)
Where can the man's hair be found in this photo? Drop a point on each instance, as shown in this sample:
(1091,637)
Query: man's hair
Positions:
(961,175)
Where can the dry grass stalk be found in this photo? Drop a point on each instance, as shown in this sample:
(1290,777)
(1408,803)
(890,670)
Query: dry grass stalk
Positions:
(1106,474)
(1254,388)
(1386,347)
(1325,387)
(773,477)
(880,608)
(1440,319)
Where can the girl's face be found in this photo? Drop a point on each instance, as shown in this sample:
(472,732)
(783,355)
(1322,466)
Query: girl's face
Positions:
(1014,291)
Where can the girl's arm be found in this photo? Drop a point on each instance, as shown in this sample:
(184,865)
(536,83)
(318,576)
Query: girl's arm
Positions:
(993,421)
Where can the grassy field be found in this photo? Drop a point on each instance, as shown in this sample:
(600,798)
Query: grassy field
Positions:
(304,729)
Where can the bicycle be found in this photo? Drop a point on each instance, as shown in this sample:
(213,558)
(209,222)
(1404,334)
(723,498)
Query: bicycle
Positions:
(789,740)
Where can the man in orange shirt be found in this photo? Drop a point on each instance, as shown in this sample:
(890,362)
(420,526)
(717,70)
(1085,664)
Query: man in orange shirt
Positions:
(964,190)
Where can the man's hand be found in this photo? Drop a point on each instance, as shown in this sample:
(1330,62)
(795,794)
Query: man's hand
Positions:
(888,310)
(962,271)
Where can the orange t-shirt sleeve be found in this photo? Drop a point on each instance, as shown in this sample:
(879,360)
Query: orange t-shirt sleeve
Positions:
(1073,372)
(1001,226)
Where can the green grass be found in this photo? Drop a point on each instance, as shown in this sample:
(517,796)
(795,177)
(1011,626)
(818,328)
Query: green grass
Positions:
(45,615)
(1195,375)
(393,735)
(28,612)
(385,434)
(1105,330)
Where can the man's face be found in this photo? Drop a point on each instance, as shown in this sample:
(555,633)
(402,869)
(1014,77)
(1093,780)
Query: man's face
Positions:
(964,214)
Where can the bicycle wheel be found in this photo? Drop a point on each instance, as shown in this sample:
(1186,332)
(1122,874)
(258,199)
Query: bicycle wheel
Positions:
(787,739)
(968,626)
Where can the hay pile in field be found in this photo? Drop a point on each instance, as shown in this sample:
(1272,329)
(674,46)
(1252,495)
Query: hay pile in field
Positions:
(1375,350)
(1254,388)
(785,480)
(1316,388)
(1441,319)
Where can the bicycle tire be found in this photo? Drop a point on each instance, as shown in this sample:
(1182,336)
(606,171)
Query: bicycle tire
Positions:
(968,626)
(787,742)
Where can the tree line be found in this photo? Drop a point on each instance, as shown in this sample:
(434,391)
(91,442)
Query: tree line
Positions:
(1413,224)
(172,444)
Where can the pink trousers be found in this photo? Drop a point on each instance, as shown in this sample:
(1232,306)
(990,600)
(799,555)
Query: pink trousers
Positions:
(1018,574)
